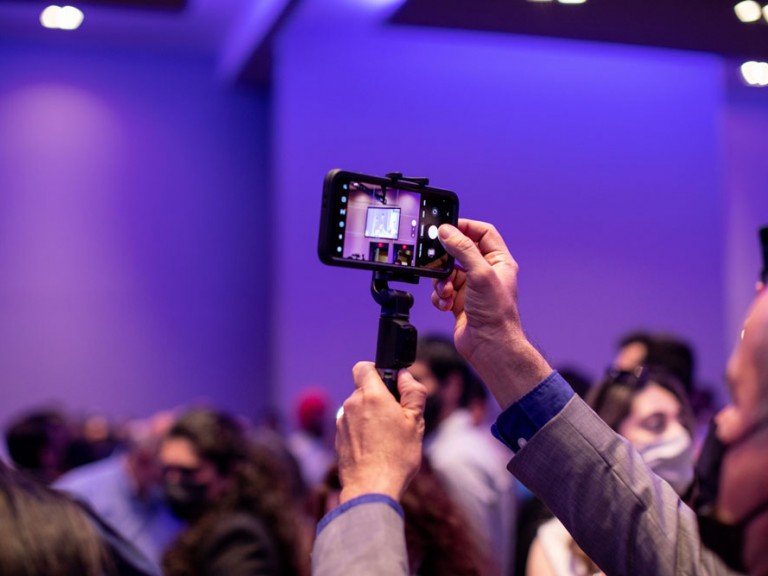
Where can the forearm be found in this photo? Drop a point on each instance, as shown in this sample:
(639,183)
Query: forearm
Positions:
(510,367)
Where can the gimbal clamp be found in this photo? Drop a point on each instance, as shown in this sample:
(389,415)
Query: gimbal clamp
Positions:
(396,344)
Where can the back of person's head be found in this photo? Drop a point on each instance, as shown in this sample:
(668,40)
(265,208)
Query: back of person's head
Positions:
(311,411)
(37,443)
(666,350)
(43,533)
(439,353)
(579,381)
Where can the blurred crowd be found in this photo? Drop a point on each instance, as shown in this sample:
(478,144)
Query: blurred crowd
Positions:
(202,491)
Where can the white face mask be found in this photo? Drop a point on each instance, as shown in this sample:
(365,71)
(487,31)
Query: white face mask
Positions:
(671,458)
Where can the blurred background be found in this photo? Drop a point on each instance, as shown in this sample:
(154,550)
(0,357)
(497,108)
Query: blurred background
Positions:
(161,170)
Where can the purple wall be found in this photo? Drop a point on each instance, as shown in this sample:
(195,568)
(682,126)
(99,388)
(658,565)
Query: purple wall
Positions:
(600,165)
(145,261)
(746,186)
(134,226)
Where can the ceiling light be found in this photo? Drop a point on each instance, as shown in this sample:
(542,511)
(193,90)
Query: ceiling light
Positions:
(571,1)
(61,17)
(765,12)
(49,17)
(755,73)
(70,18)
(748,11)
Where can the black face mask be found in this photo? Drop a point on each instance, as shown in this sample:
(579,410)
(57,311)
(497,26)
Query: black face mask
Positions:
(724,540)
(727,540)
(186,500)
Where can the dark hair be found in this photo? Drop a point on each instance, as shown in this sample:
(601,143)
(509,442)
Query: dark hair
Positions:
(43,532)
(668,351)
(612,398)
(256,489)
(439,353)
(37,443)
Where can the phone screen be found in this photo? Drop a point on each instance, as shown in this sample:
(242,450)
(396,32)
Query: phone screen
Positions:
(374,223)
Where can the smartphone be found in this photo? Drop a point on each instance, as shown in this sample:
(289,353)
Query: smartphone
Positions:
(385,224)
(764,246)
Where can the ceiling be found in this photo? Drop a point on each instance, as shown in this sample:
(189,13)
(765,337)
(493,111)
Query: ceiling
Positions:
(238,33)
(699,25)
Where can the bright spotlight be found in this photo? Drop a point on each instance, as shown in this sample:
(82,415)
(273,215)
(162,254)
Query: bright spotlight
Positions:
(755,73)
(49,17)
(748,11)
(61,17)
(765,12)
(70,18)
(571,1)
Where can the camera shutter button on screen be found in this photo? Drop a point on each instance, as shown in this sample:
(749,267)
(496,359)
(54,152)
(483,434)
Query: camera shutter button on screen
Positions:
(432,232)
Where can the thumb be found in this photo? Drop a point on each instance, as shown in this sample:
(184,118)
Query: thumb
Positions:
(413,394)
(461,247)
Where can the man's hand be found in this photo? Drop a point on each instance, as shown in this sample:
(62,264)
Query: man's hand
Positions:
(378,441)
(482,294)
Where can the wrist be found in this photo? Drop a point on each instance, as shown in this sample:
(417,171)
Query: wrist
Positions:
(353,491)
(510,368)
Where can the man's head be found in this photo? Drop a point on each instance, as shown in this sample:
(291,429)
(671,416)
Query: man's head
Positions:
(744,474)
(312,411)
(449,380)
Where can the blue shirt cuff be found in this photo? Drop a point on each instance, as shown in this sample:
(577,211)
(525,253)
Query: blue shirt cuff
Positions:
(518,423)
(364,499)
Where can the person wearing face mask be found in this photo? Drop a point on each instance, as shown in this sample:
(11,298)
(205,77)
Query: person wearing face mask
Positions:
(649,408)
(241,521)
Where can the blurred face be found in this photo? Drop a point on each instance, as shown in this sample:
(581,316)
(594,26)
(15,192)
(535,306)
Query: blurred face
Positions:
(743,476)
(743,495)
(189,480)
(655,414)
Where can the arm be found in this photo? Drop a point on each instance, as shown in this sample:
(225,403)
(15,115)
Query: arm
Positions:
(602,491)
(378,442)
(623,517)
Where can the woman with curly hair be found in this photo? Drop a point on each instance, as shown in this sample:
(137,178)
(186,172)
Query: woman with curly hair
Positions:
(241,519)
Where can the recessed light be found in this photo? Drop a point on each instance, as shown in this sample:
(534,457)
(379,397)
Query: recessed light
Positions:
(61,17)
(748,11)
(755,73)
(571,1)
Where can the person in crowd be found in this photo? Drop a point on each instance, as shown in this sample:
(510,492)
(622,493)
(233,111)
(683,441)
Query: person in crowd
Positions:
(38,442)
(470,462)
(436,534)
(241,520)
(308,443)
(649,407)
(43,533)
(645,348)
(624,517)
(125,489)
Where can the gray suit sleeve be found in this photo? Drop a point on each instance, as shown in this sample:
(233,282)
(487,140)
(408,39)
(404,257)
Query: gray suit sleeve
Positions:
(365,539)
(624,517)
